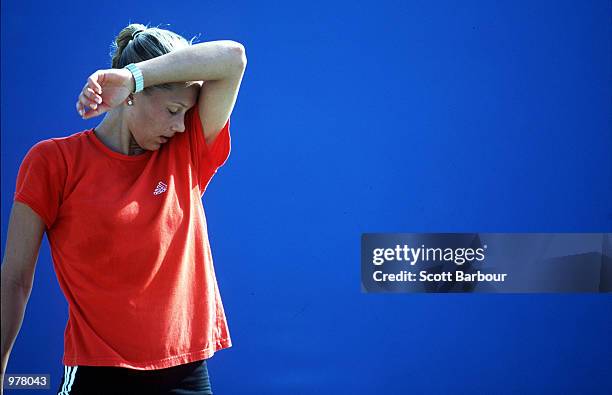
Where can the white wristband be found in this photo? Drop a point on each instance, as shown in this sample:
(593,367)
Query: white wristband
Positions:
(137,76)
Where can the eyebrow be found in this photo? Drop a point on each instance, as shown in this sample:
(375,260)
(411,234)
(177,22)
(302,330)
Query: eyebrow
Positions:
(179,103)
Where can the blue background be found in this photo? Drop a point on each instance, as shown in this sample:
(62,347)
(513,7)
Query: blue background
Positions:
(354,117)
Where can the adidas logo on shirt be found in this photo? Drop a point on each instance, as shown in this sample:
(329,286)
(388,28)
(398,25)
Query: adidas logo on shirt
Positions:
(160,188)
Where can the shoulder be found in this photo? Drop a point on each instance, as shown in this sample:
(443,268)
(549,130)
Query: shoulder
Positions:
(55,143)
(46,149)
(56,150)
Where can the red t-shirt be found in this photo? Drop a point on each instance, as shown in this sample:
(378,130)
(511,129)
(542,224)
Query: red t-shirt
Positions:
(130,246)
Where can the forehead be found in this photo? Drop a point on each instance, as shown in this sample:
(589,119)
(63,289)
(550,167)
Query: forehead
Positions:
(180,92)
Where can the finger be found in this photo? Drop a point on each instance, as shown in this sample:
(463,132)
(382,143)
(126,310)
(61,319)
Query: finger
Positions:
(93,82)
(90,114)
(81,107)
(91,95)
(94,113)
(86,101)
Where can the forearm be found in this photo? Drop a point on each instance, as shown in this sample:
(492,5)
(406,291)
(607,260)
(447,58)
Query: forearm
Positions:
(14,300)
(213,60)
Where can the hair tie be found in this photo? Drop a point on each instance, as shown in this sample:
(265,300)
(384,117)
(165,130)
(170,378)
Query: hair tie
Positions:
(136,34)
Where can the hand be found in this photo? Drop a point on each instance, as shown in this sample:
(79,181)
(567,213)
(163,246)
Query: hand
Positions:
(104,90)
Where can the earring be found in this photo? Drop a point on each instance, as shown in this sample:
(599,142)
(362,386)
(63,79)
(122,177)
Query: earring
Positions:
(130,102)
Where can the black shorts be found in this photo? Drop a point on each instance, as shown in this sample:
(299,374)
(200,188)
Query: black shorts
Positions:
(187,379)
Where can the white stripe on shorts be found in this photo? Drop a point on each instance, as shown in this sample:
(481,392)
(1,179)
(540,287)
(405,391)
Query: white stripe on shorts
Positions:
(69,373)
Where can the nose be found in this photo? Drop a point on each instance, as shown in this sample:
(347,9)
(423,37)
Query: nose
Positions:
(179,127)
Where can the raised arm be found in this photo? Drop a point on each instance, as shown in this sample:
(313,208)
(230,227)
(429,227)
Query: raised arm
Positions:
(219,65)
(20,255)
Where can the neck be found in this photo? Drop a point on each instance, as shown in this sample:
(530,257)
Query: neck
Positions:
(114,133)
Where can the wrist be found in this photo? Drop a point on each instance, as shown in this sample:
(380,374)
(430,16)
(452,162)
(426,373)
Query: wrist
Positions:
(136,79)
(129,82)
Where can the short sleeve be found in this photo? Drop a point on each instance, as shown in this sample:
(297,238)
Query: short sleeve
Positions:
(41,179)
(207,158)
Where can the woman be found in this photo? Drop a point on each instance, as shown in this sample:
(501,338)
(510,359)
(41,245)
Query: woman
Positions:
(121,205)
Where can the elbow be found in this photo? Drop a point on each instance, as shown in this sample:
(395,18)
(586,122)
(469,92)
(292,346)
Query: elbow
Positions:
(239,55)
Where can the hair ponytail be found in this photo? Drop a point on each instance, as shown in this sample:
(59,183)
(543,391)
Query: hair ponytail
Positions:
(121,42)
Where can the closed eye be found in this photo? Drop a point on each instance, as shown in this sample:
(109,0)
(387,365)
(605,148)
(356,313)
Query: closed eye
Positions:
(172,112)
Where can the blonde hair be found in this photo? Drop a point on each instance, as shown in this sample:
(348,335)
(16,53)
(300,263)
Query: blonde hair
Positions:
(137,42)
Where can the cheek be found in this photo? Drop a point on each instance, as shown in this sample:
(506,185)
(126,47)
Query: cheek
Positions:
(140,126)
(149,123)
(156,119)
